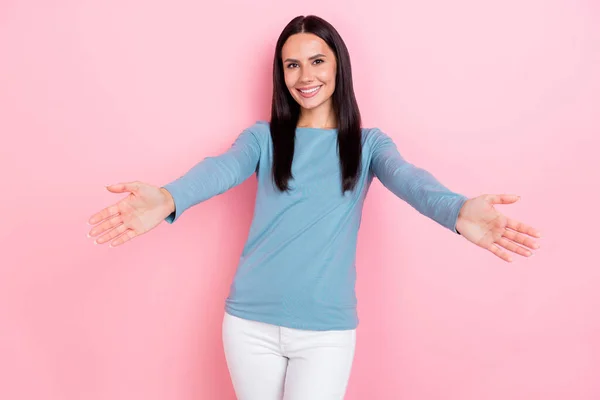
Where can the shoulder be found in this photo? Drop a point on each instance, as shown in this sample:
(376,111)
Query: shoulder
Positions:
(374,136)
(260,127)
(371,133)
(259,132)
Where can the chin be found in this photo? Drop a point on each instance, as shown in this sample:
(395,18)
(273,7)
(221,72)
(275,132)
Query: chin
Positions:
(310,104)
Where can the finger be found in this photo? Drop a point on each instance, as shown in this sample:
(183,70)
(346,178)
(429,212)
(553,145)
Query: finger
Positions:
(124,187)
(111,223)
(504,198)
(128,235)
(523,228)
(521,239)
(499,252)
(104,214)
(110,235)
(114,209)
(512,246)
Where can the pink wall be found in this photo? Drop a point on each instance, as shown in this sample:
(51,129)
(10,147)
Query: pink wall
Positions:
(489,96)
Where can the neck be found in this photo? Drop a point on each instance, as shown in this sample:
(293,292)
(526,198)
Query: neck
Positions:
(321,117)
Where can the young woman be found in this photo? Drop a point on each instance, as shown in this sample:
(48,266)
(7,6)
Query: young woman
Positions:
(290,317)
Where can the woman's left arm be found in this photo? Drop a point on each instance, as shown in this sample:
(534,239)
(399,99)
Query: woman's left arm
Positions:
(416,186)
(475,219)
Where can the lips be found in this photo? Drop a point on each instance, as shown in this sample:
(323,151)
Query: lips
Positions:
(308,92)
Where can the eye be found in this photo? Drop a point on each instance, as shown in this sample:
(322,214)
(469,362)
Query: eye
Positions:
(317,61)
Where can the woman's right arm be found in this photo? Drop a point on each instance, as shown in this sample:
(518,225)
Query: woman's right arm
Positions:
(215,175)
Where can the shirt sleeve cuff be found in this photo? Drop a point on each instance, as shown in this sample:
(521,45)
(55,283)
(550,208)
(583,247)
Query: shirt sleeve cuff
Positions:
(453,218)
(180,206)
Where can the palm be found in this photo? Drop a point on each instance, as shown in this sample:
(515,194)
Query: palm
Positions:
(143,209)
(480,223)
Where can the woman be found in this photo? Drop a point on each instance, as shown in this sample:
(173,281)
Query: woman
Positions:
(290,317)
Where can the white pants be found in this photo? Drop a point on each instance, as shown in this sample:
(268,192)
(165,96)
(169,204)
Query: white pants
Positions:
(269,362)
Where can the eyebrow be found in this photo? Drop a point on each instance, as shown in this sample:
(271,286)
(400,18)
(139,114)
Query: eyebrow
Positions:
(311,58)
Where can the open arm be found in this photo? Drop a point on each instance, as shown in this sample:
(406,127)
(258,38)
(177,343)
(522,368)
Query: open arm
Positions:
(416,186)
(215,175)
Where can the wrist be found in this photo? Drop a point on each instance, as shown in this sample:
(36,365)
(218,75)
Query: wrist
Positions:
(169,201)
(460,218)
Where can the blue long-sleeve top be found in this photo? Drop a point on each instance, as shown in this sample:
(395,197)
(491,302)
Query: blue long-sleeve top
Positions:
(297,267)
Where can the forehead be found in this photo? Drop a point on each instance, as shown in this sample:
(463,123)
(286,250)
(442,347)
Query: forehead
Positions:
(304,45)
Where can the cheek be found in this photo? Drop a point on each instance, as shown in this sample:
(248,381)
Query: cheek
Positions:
(328,76)
(290,79)
(330,81)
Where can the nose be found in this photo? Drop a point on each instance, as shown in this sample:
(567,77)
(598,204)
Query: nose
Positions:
(306,76)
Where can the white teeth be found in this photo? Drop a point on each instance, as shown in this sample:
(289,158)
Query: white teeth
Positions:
(311,90)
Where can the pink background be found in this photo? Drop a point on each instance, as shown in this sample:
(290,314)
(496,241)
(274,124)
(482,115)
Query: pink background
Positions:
(491,97)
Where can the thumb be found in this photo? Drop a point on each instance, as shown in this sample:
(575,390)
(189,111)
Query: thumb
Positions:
(123,187)
(504,198)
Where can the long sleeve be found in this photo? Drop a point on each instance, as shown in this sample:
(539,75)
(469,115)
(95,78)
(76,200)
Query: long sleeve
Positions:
(416,186)
(215,175)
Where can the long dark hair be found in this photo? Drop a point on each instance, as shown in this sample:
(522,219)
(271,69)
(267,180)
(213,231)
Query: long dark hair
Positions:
(285,111)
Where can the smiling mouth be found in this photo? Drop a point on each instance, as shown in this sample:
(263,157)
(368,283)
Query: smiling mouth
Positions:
(309,92)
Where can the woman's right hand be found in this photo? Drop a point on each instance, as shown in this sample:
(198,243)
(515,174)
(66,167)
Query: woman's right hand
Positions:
(144,208)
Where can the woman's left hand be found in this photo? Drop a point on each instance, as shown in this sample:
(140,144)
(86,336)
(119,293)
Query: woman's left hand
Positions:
(480,223)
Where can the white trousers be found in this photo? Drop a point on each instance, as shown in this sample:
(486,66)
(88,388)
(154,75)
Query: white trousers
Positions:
(269,362)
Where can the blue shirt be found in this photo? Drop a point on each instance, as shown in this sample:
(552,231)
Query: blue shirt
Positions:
(297,267)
